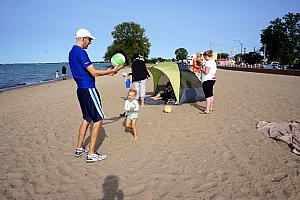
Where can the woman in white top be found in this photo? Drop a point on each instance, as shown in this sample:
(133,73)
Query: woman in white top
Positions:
(208,80)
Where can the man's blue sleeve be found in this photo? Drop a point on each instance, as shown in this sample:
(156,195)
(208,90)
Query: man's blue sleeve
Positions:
(84,59)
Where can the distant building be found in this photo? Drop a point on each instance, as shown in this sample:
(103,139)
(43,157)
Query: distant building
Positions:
(225,62)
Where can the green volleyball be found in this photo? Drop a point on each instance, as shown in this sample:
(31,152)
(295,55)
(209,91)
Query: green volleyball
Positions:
(117,59)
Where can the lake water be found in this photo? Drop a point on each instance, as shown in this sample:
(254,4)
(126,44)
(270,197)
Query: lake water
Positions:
(18,75)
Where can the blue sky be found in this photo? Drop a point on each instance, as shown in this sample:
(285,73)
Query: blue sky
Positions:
(43,30)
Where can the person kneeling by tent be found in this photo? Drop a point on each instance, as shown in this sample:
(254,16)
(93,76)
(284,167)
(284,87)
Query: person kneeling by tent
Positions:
(167,94)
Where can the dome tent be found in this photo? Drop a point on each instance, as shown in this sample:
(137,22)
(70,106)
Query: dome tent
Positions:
(186,86)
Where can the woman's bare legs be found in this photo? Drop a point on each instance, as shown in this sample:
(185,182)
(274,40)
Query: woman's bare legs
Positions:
(211,103)
(208,105)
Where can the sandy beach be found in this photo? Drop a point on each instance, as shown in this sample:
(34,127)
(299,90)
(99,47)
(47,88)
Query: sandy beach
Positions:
(180,155)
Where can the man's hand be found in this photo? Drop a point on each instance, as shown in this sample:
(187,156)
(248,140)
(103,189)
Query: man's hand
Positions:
(119,67)
(115,70)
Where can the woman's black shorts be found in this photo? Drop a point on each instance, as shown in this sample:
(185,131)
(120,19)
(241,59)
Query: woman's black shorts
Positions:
(208,88)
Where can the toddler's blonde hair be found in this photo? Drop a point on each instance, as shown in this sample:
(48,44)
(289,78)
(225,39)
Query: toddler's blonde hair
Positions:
(132,91)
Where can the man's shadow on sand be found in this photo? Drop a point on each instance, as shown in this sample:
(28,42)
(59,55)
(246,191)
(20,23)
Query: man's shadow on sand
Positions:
(100,139)
(111,189)
(102,134)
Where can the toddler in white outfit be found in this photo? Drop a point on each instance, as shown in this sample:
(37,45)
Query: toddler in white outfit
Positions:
(131,108)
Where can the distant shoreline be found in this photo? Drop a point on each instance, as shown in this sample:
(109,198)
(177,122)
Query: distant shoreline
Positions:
(21,75)
(32,84)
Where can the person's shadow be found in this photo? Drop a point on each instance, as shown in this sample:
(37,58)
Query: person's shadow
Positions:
(99,141)
(199,107)
(111,188)
(111,120)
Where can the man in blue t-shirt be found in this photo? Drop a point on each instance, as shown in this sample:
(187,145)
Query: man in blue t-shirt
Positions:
(84,75)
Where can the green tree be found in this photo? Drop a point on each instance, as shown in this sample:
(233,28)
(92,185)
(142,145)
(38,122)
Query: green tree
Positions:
(223,55)
(282,39)
(160,59)
(151,60)
(129,39)
(252,58)
(181,54)
(238,58)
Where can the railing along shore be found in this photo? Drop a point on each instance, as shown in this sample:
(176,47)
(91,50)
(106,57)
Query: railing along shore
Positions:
(259,68)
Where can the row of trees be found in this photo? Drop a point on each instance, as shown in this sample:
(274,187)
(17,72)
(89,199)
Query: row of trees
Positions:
(280,42)
(249,58)
(159,59)
(281,39)
(130,39)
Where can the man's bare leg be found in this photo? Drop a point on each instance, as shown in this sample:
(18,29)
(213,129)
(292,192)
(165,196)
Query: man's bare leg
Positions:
(94,136)
(82,132)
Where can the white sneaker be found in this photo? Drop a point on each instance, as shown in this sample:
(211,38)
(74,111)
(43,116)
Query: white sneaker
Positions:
(296,152)
(80,151)
(95,157)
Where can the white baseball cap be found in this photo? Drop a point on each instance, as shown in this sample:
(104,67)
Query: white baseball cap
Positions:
(82,32)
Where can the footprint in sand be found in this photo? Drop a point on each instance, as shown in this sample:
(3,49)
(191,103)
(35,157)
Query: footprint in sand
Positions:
(206,187)
(132,191)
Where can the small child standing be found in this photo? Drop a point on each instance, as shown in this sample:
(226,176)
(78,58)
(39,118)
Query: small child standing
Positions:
(132,107)
(57,74)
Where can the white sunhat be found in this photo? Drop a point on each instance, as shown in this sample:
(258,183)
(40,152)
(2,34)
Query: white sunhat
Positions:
(82,32)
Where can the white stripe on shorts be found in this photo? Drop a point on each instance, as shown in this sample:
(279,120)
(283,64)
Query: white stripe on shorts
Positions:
(97,103)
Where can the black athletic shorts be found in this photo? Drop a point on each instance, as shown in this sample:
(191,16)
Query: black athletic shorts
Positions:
(208,88)
(90,104)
